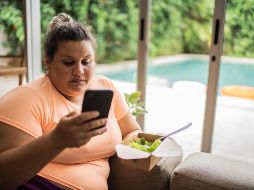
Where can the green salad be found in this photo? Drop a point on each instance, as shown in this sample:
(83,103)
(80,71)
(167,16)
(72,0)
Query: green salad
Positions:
(144,145)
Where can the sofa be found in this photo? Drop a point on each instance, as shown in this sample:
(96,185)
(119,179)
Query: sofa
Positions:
(199,171)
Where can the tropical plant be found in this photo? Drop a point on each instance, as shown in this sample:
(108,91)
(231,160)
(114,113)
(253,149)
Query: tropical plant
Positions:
(136,106)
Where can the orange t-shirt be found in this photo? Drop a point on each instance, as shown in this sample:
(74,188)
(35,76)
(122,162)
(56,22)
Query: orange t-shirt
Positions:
(37,107)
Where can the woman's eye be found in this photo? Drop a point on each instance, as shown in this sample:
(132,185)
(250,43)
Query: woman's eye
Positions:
(85,62)
(68,63)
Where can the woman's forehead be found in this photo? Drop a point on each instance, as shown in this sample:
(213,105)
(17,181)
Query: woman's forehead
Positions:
(75,47)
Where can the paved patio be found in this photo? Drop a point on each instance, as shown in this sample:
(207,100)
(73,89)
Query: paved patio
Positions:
(171,108)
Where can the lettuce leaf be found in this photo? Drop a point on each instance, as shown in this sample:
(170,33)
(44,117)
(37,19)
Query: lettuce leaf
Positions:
(144,145)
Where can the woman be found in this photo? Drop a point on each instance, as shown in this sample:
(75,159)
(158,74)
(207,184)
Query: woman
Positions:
(43,135)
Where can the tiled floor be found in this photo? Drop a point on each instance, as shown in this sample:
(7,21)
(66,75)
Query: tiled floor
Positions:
(170,108)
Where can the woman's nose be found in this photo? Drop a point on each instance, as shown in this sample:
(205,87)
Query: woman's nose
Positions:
(78,69)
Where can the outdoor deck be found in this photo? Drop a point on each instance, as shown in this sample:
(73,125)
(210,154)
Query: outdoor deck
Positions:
(169,109)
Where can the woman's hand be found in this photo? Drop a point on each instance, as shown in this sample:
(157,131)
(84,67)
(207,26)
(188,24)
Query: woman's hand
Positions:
(129,126)
(75,129)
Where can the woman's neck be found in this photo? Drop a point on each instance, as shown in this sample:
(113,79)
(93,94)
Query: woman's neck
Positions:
(77,100)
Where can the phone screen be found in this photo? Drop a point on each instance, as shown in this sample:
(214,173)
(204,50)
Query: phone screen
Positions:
(98,100)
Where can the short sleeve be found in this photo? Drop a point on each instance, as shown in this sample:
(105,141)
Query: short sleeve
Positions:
(121,106)
(20,108)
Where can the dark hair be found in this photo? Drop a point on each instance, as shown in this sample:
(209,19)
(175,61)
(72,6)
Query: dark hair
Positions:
(63,28)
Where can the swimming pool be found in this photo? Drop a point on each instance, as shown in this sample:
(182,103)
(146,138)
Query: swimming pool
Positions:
(192,70)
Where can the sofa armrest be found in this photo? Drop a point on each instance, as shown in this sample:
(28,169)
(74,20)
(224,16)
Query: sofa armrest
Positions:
(212,172)
(127,178)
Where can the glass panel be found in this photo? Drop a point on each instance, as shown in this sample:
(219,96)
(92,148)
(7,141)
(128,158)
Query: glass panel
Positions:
(116,34)
(178,70)
(233,130)
(117,42)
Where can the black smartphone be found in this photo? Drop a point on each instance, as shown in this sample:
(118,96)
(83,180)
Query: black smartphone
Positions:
(98,100)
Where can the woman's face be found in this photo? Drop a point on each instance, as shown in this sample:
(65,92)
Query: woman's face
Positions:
(72,67)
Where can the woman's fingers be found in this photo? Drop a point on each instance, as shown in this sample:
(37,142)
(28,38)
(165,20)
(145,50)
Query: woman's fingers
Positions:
(85,116)
(77,129)
(89,134)
(90,129)
(98,131)
(86,137)
(87,120)
(93,124)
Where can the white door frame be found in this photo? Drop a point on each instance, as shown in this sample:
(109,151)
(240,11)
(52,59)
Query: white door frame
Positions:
(32,18)
(143,40)
(214,71)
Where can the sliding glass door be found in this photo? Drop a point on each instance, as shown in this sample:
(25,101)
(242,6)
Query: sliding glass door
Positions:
(234,121)
(177,74)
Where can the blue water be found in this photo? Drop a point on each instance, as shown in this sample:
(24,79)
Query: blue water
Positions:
(193,70)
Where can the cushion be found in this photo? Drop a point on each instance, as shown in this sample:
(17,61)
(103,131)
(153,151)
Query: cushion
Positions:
(238,91)
(204,171)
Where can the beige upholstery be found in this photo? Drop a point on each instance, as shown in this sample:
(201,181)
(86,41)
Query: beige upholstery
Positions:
(205,171)
(199,171)
(124,177)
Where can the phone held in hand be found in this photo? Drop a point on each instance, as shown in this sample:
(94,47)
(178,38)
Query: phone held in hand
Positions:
(98,100)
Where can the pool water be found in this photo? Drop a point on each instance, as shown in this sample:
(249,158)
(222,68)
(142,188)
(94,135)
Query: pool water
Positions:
(193,70)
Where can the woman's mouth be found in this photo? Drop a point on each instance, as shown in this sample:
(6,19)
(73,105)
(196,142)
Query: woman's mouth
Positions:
(78,81)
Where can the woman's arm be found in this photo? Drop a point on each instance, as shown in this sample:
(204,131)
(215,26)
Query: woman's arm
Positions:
(128,125)
(22,156)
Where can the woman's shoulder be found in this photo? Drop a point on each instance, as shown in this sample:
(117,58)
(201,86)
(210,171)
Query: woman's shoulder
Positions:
(28,91)
(22,98)
(39,84)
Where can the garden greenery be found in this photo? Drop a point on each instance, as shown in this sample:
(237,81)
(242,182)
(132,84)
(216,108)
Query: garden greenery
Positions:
(176,26)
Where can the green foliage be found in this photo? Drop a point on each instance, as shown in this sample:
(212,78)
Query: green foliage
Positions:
(176,26)
(166,34)
(144,145)
(136,106)
(115,23)
(180,26)
(239,28)
(11,23)
(196,25)
(115,34)
(50,8)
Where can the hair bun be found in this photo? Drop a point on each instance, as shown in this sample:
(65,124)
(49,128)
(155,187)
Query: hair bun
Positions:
(61,17)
